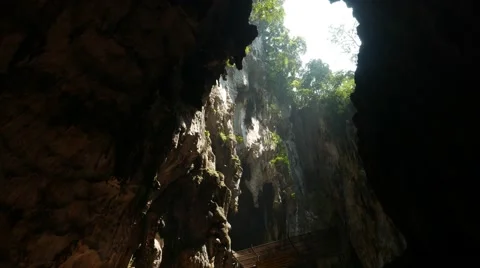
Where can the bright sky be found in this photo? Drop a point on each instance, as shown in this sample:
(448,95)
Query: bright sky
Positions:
(311,19)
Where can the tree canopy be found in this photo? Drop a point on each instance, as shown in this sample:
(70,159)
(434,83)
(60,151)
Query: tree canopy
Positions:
(289,81)
(281,51)
(346,38)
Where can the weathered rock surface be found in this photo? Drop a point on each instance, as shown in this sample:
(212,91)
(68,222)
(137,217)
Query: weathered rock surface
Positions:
(219,120)
(336,189)
(416,123)
(322,187)
(98,98)
(261,216)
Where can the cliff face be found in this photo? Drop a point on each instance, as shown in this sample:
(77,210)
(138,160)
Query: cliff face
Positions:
(336,190)
(416,121)
(320,186)
(99,98)
(261,213)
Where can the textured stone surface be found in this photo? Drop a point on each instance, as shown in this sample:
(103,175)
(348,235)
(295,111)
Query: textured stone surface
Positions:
(90,94)
(416,122)
(262,209)
(193,202)
(336,188)
(324,189)
(93,94)
(219,126)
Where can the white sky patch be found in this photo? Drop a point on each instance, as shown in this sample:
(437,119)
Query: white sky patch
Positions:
(311,19)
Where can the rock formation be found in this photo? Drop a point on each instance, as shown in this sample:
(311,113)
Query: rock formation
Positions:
(261,215)
(109,136)
(336,190)
(320,186)
(416,120)
(101,113)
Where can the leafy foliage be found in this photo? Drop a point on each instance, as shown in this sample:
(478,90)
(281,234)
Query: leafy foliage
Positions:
(281,157)
(223,136)
(346,38)
(266,12)
(312,85)
(239,139)
(281,51)
(276,139)
(319,84)
(247,50)
(289,81)
(226,137)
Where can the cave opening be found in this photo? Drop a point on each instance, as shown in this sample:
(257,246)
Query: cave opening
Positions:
(301,66)
(126,131)
(297,140)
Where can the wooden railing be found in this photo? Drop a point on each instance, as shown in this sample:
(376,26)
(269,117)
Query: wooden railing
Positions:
(286,252)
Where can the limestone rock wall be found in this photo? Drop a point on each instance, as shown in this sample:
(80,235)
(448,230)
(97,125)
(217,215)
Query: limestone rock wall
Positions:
(99,98)
(336,189)
(219,118)
(243,141)
(416,122)
(324,186)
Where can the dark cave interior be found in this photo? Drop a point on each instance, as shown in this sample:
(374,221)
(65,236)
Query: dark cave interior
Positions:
(90,90)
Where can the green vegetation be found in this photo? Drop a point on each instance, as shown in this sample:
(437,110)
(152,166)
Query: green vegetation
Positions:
(233,137)
(289,81)
(276,139)
(247,50)
(231,65)
(207,133)
(236,161)
(313,85)
(281,157)
(239,139)
(223,136)
(282,51)
(346,38)
(212,173)
(265,12)
(319,84)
